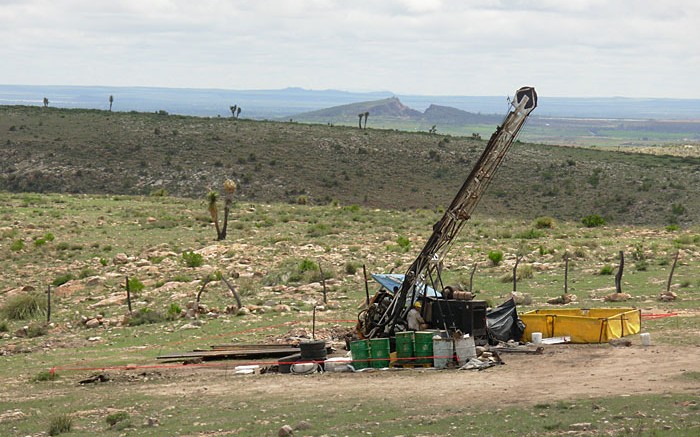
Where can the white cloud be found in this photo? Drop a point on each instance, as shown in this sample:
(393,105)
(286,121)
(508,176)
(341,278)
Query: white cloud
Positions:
(481,47)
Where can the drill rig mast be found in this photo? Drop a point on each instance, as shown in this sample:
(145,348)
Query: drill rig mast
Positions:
(387,311)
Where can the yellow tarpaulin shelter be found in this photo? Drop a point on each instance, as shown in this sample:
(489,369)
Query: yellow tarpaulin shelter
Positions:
(595,325)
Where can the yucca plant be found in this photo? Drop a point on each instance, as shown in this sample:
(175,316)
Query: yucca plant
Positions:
(213,207)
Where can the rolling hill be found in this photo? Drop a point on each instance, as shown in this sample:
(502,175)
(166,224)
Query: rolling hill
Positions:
(91,151)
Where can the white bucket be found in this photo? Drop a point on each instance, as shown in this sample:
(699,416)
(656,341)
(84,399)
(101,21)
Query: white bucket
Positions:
(537,337)
(465,349)
(646,338)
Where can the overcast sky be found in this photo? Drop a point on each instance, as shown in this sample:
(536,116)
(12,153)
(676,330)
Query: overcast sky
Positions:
(632,48)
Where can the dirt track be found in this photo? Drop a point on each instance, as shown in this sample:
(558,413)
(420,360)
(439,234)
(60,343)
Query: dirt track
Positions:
(562,372)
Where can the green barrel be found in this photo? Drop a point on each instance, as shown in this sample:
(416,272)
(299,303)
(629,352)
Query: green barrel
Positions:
(424,347)
(404,347)
(360,354)
(379,349)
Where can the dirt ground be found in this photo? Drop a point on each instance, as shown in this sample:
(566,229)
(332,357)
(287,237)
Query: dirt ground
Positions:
(561,372)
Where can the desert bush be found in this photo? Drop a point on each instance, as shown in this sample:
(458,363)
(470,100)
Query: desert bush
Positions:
(606,270)
(593,221)
(529,234)
(60,424)
(86,273)
(496,256)
(24,306)
(351,267)
(544,222)
(17,245)
(39,242)
(291,271)
(37,329)
(641,266)
(145,316)
(45,375)
(302,200)
(160,192)
(117,417)
(174,311)
(192,259)
(4,326)
(135,285)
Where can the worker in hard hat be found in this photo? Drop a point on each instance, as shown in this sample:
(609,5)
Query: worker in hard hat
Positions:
(414,319)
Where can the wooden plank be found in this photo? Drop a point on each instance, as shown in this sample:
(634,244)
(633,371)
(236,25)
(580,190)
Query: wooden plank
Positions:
(224,354)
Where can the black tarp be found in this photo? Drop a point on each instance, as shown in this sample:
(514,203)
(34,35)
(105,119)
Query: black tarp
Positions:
(503,323)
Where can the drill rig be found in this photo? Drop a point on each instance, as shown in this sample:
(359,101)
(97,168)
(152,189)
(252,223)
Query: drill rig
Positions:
(387,310)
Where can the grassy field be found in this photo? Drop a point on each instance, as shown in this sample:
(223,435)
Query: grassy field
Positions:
(274,250)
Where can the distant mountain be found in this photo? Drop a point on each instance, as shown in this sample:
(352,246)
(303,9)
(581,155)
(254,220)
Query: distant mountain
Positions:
(447,115)
(280,103)
(389,113)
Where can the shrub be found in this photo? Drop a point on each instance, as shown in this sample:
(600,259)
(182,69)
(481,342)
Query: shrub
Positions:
(403,243)
(86,273)
(544,222)
(145,316)
(24,306)
(192,259)
(17,245)
(351,267)
(60,424)
(135,285)
(39,242)
(37,329)
(117,417)
(173,311)
(4,326)
(496,256)
(641,266)
(593,221)
(672,227)
(49,236)
(606,270)
(529,234)
(104,262)
(45,375)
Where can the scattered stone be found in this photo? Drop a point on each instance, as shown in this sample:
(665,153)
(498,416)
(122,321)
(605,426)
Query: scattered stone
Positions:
(152,422)
(243,312)
(93,281)
(281,308)
(563,299)
(92,323)
(617,297)
(94,338)
(22,332)
(583,426)
(303,425)
(188,326)
(521,298)
(285,431)
(620,342)
(667,296)
(120,258)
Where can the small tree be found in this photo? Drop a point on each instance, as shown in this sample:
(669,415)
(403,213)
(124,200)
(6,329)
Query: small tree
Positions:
(111,100)
(366,117)
(359,122)
(212,206)
(233,110)
(238,112)
(46,102)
